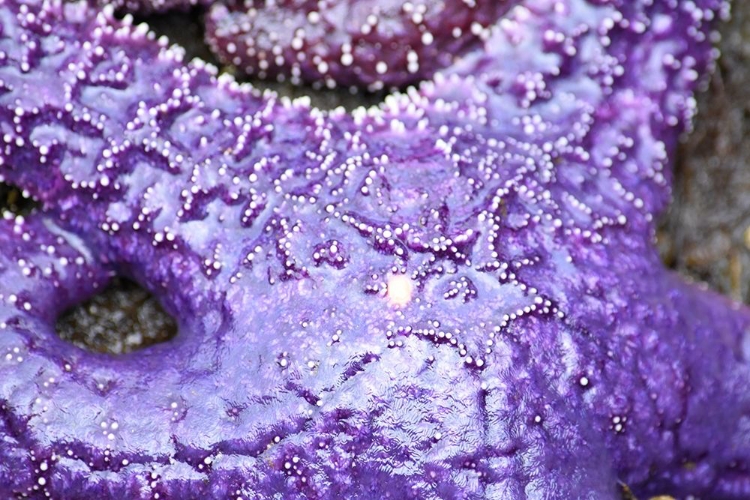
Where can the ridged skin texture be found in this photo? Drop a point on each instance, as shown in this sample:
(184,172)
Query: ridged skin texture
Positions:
(453,295)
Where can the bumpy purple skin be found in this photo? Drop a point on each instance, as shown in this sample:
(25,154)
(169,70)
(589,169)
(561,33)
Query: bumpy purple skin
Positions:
(350,43)
(454,295)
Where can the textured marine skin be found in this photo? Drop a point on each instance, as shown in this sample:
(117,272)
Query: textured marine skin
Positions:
(454,295)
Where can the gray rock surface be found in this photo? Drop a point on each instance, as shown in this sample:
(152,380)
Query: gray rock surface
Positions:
(706,233)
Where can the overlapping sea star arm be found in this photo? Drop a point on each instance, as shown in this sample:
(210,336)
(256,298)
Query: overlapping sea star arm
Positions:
(371,43)
(148,6)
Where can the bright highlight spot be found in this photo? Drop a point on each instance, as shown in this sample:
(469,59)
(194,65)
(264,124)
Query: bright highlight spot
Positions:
(400,289)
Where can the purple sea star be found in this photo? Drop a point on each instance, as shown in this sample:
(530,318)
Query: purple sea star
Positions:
(454,295)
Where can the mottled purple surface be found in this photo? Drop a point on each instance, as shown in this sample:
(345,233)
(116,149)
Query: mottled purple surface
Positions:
(454,295)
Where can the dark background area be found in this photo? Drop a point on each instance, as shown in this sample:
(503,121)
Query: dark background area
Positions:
(705,235)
